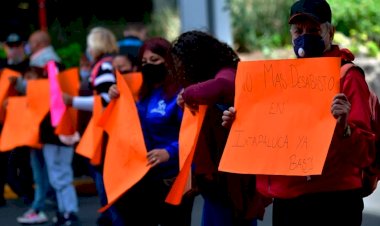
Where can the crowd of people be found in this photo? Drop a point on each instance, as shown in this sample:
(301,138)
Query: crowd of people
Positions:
(195,69)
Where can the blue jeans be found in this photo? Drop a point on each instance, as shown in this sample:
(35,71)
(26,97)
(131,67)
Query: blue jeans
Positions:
(58,161)
(41,179)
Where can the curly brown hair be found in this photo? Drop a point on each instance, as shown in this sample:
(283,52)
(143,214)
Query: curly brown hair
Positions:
(197,56)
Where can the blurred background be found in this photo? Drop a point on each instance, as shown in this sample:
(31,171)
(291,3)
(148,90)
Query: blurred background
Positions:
(255,28)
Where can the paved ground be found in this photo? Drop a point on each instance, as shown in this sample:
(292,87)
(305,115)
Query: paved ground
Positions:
(89,204)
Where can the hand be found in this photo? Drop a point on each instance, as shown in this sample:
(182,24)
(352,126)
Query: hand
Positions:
(340,109)
(157,156)
(180,100)
(67,99)
(228,117)
(113,92)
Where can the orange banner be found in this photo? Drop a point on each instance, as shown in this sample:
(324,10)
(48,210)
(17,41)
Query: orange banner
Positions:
(126,151)
(283,121)
(24,116)
(17,119)
(90,144)
(37,94)
(134,81)
(69,83)
(190,127)
(5,84)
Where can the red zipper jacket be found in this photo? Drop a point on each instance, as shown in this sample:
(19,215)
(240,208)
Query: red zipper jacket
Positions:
(346,155)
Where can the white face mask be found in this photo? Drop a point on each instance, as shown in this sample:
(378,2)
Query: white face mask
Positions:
(15,55)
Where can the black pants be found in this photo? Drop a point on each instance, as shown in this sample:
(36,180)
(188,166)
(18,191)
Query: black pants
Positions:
(16,171)
(4,156)
(325,208)
(144,205)
(20,176)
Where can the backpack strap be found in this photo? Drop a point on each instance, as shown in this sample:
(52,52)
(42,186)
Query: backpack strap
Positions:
(346,66)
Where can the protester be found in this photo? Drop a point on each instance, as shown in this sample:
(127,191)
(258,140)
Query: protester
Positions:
(160,119)
(101,47)
(57,155)
(134,35)
(36,214)
(206,68)
(41,49)
(16,59)
(15,168)
(124,64)
(334,197)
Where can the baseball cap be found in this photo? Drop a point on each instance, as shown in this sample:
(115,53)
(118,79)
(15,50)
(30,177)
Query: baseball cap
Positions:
(13,39)
(319,10)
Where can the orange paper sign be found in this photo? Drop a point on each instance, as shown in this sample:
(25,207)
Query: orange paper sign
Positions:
(283,122)
(90,144)
(188,137)
(126,151)
(134,82)
(69,83)
(24,115)
(5,85)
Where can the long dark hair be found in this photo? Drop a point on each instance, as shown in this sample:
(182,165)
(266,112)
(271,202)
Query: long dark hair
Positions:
(197,56)
(159,46)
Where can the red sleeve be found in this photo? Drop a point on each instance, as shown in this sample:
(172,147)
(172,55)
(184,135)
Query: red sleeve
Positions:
(358,144)
(220,89)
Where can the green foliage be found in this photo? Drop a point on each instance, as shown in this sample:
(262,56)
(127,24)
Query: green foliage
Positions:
(165,23)
(260,24)
(70,54)
(2,53)
(358,20)
(358,15)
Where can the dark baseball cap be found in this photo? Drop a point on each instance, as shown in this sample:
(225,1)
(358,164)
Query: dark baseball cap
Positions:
(318,10)
(13,39)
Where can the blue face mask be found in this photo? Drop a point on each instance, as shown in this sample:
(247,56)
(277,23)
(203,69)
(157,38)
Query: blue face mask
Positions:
(27,49)
(89,56)
(84,74)
(309,45)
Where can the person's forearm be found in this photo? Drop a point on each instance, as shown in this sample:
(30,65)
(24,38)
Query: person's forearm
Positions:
(84,103)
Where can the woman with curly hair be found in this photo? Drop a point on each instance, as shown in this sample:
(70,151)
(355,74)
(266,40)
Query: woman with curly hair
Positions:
(160,117)
(206,68)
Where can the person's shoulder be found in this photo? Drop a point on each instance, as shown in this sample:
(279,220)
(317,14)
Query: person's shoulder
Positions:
(226,71)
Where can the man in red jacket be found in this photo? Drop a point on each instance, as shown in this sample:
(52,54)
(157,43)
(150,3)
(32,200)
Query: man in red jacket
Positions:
(334,197)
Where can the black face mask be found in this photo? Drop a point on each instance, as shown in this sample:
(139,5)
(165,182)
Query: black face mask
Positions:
(154,73)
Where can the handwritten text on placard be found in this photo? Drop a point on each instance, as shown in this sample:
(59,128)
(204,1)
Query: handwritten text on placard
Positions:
(283,123)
